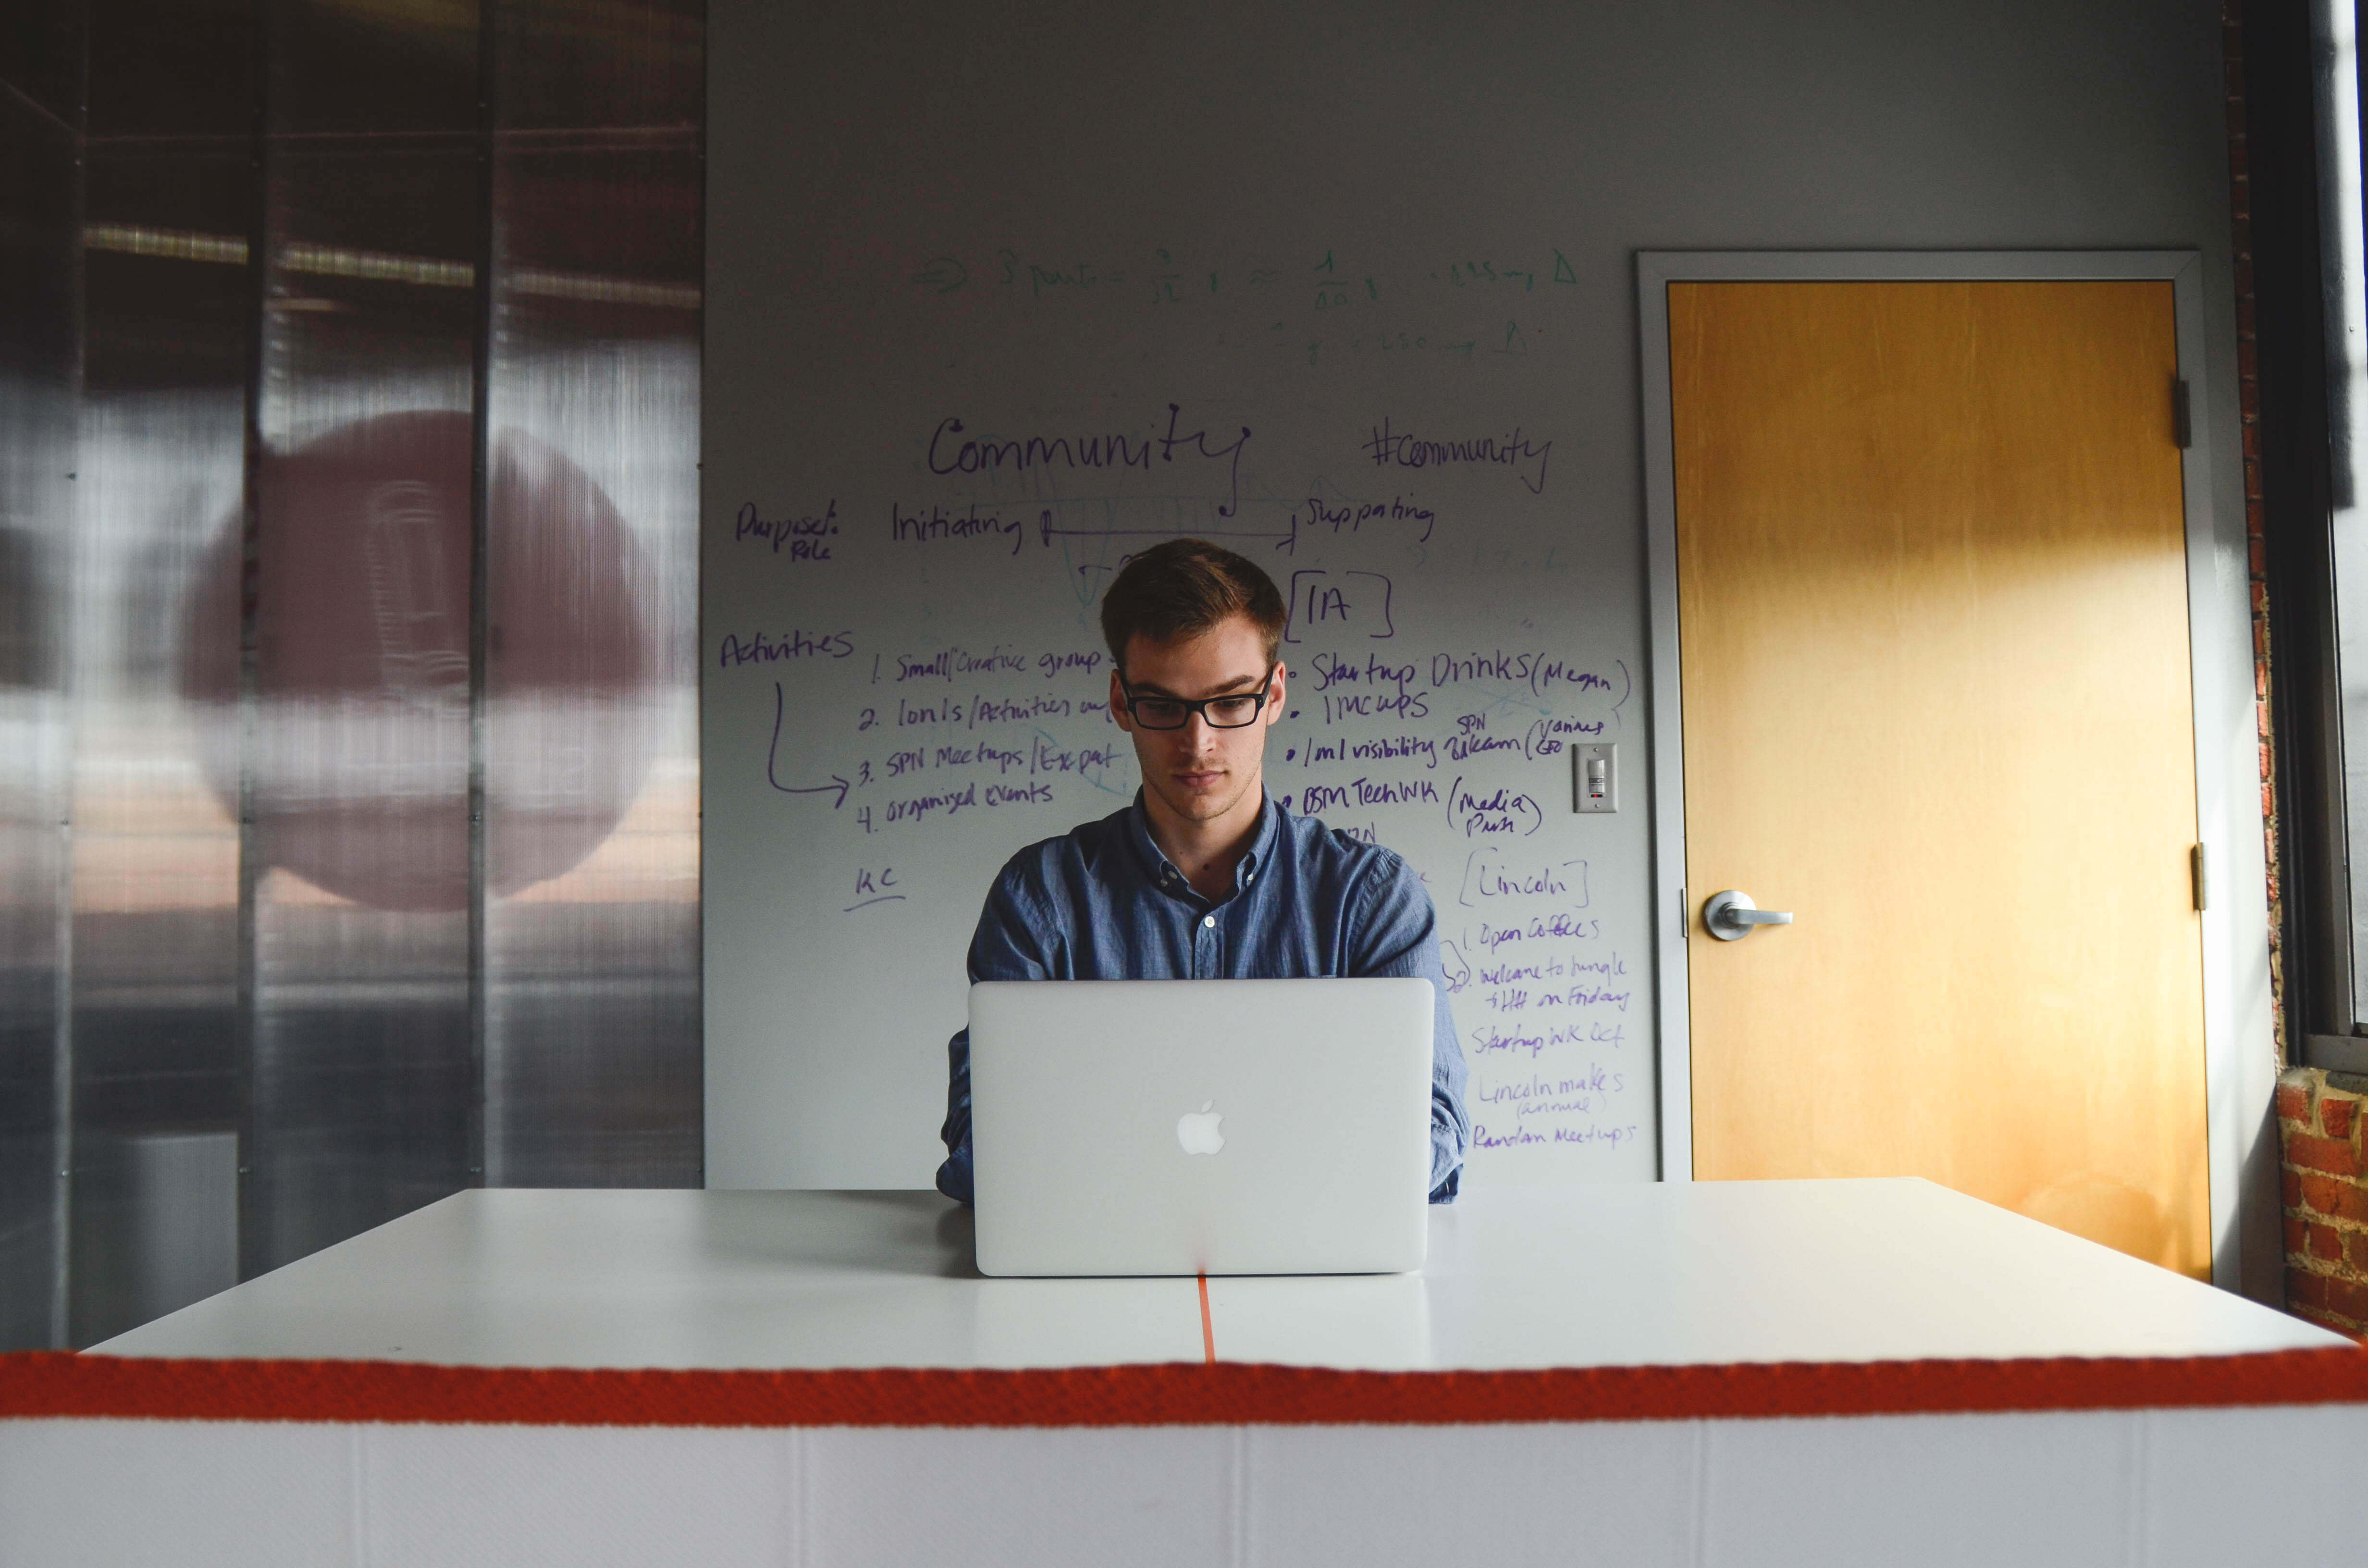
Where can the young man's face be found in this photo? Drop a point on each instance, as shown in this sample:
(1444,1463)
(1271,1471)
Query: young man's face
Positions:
(1199,771)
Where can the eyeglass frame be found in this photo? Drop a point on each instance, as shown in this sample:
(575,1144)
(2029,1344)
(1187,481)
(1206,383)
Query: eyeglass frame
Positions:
(1199,706)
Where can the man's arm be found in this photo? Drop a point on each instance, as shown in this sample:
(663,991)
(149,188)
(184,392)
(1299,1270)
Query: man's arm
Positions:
(1007,945)
(1396,933)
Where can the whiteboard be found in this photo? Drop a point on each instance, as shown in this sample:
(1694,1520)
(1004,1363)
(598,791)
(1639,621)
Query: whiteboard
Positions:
(953,382)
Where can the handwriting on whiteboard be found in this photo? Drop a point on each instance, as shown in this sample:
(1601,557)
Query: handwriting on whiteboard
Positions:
(1404,448)
(1399,728)
(951,451)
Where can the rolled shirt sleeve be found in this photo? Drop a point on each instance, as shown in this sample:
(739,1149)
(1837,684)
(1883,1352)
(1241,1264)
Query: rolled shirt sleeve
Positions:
(1009,944)
(1396,933)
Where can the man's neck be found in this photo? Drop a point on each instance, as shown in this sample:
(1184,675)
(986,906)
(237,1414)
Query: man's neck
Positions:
(1207,852)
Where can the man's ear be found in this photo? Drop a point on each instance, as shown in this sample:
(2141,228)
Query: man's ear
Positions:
(1118,704)
(1279,687)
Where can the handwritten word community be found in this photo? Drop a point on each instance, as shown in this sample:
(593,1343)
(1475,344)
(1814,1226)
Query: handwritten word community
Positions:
(1112,449)
(1403,448)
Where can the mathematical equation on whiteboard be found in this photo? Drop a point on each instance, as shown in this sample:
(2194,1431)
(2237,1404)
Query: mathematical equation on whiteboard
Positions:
(878,733)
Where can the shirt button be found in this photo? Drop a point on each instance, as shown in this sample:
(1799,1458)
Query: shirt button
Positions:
(1209,921)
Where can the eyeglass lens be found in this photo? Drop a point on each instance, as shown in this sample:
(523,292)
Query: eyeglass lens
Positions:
(1222,712)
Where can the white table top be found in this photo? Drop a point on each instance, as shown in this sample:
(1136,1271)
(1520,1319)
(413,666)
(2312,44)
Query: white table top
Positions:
(1601,1276)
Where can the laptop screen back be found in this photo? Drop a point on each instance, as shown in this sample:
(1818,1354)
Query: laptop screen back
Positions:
(1200,1126)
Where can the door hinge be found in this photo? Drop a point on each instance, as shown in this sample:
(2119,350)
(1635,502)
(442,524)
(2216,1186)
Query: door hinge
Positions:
(1685,917)
(2182,415)
(2203,877)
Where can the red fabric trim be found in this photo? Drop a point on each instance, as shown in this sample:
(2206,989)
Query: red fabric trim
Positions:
(44,1384)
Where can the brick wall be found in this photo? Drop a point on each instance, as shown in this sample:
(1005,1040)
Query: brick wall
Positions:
(2249,398)
(2325,1178)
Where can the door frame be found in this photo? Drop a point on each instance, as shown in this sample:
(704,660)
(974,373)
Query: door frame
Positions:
(2239,1048)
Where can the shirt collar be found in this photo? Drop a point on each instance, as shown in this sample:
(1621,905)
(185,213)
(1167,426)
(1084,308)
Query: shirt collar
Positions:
(1163,872)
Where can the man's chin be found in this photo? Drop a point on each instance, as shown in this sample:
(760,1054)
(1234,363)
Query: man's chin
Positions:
(1201,805)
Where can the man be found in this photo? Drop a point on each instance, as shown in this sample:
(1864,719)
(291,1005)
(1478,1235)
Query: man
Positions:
(1203,878)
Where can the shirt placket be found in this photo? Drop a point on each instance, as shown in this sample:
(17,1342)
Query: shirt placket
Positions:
(1208,946)
(1200,924)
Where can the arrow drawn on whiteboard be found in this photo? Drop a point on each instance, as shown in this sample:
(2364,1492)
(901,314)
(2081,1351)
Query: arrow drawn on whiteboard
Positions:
(774,752)
(1047,533)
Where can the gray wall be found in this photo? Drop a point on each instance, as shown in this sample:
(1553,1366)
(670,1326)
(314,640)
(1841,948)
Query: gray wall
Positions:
(878,172)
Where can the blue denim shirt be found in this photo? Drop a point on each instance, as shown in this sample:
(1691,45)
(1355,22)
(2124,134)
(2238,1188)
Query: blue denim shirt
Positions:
(1103,903)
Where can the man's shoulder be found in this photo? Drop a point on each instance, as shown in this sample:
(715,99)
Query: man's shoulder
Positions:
(1343,855)
(1049,862)
(1381,902)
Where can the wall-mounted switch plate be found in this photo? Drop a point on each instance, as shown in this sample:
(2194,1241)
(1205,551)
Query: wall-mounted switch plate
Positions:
(1595,777)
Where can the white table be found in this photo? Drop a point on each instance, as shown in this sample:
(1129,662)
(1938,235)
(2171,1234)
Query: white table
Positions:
(1609,1276)
(1604,1277)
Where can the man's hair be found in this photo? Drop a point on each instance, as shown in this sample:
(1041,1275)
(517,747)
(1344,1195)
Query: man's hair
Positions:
(1183,588)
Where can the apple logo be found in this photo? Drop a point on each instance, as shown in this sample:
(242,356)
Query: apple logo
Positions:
(1197,1129)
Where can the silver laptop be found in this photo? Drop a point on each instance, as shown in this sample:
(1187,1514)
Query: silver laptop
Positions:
(1200,1126)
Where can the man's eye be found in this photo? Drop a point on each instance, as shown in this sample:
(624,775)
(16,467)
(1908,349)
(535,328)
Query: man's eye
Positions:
(1233,710)
(1157,709)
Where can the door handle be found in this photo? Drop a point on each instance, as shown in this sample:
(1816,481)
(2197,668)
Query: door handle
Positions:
(1730,915)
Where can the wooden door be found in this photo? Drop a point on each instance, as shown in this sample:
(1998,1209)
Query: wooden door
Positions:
(1932,598)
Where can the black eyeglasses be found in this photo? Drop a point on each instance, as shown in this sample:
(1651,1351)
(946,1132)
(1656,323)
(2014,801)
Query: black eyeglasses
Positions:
(1235,713)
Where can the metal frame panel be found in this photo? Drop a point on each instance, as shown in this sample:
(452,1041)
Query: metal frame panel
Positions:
(270,948)
(40,378)
(587,876)
(2240,1052)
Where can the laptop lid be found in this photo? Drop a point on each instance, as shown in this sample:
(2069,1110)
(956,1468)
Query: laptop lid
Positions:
(1200,1126)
